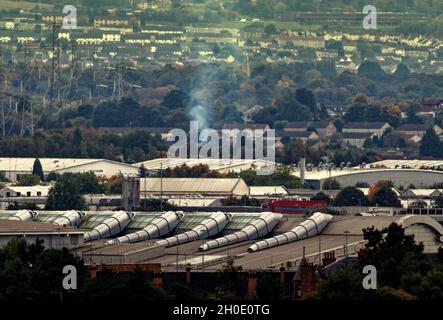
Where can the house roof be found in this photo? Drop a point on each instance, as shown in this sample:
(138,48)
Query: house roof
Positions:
(414,127)
(252,126)
(364,125)
(296,134)
(356,135)
(308,124)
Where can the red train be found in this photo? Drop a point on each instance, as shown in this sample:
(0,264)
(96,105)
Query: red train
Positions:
(295,206)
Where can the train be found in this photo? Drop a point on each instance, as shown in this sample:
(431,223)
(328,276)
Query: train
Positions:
(301,207)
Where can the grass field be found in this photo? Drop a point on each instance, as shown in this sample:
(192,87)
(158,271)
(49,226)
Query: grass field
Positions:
(8,5)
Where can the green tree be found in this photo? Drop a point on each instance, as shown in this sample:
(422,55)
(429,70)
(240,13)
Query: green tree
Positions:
(321,197)
(350,196)
(38,170)
(385,197)
(232,283)
(175,99)
(28,180)
(431,145)
(331,184)
(65,195)
(437,202)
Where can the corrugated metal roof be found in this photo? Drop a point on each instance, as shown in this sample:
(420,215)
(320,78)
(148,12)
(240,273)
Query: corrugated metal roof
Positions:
(191,185)
(267,190)
(222,165)
(48,164)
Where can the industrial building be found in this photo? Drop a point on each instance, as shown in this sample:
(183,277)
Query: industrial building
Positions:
(12,168)
(24,191)
(53,236)
(220,165)
(205,241)
(222,187)
(421,178)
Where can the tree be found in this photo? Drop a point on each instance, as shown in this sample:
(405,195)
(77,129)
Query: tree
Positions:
(437,202)
(431,146)
(402,72)
(65,195)
(38,170)
(29,272)
(175,99)
(270,29)
(307,98)
(371,70)
(331,184)
(321,197)
(28,180)
(350,196)
(385,197)
(142,172)
(232,284)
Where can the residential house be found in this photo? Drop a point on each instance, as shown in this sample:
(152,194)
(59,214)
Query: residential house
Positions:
(300,135)
(376,128)
(356,139)
(109,21)
(418,129)
(322,128)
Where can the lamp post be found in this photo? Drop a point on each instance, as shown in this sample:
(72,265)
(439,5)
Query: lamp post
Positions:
(203,253)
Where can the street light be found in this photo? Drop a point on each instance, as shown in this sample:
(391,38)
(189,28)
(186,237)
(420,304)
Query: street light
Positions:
(203,253)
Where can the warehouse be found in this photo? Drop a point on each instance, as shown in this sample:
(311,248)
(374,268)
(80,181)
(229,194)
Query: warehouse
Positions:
(222,187)
(421,178)
(220,165)
(206,240)
(26,191)
(12,168)
(53,236)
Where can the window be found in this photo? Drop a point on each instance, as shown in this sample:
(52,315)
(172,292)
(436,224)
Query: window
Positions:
(28,193)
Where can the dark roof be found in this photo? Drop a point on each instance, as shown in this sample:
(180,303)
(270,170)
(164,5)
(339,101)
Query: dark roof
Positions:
(251,126)
(295,134)
(364,125)
(356,135)
(414,127)
(308,124)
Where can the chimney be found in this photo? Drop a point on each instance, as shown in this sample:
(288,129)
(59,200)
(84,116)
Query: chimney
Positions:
(328,258)
(282,276)
(252,284)
(302,165)
(188,276)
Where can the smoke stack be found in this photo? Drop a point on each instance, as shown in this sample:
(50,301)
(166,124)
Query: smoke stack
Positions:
(302,165)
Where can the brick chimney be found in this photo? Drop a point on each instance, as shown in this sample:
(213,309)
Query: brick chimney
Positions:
(308,282)
(328,258)
(188,275)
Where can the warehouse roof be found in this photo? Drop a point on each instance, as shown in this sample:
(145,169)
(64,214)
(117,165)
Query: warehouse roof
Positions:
(406,164)
(267,190)
(29,227)
(191,185)
(221,165)
(49,164)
